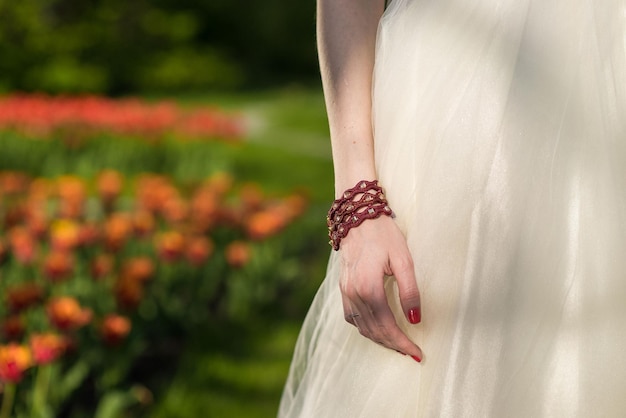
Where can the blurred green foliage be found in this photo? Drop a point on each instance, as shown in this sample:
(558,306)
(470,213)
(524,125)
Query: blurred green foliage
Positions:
(117,46)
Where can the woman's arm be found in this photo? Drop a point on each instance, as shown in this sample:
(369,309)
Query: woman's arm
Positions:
(346,31)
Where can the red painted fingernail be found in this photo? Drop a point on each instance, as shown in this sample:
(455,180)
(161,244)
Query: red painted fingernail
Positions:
(419,360)
(415,315)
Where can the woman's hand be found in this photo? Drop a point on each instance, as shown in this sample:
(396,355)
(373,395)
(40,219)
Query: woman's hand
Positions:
(376,249)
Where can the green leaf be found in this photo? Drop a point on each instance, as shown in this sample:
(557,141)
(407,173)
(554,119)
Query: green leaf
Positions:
(114,403)
(72,380)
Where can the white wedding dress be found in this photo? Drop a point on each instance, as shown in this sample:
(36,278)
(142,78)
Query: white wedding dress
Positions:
(500,138)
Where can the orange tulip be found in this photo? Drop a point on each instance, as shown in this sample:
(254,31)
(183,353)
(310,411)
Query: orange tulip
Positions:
(153,191)
(36,222)
(23,296)
(174,209)
(89,234)
(251,196)
(23,245)
(143,223)
(13,182)
(198,250)
(266,223)
(116,231)
(204,209)
(40,189)
(101,266)
(3,250)
(109,184)
(14,215)
(115,328)
(238,254)
(58,265)
(138,268)
(295,205)
(14,361)
(220,183)
(72,191)
(65,313)
(170,245)
(64,234)
(128,292)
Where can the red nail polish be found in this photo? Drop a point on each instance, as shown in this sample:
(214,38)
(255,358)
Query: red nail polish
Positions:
(415,315)
(419,360)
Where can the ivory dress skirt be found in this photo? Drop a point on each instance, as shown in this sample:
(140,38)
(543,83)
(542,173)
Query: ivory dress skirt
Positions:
(500,138)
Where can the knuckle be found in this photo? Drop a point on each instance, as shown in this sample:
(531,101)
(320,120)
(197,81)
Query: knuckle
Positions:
(404,264)
(350,292)
(366,293)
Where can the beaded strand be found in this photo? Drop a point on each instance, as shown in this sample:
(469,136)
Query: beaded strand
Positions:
(364,201)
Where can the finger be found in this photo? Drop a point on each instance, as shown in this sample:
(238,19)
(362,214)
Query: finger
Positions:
(348,311)
(402,268)
(382,327)
(354,300)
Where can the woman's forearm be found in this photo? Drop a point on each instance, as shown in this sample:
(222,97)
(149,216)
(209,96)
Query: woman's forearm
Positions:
(346,33)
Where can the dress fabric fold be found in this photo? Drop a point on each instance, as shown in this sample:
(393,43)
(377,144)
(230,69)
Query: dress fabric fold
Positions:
(500,140)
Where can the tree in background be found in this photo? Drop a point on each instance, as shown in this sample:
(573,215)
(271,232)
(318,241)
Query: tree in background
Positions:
(119,46)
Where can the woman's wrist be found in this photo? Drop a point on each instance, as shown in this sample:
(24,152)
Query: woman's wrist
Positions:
(366,200)
(348,178)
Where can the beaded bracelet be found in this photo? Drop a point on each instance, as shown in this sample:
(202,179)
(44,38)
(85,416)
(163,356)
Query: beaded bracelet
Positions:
(364,201)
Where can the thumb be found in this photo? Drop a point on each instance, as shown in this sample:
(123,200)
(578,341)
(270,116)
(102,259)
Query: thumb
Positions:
(407,287)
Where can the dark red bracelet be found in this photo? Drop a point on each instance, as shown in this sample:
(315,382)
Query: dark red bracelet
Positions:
(364,201)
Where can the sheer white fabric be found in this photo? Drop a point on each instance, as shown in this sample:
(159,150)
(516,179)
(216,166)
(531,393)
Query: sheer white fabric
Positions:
(500,132)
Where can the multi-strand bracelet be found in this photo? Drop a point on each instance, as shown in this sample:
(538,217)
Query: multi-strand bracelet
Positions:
(364,201)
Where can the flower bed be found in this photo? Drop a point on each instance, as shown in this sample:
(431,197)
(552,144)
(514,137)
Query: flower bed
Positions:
(123,232)
(40,116)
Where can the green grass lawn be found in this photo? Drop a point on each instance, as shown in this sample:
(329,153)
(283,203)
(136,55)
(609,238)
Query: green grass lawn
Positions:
(238,370)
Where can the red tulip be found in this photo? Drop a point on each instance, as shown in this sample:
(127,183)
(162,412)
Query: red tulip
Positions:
(14,360)
(47,347)
(13,328)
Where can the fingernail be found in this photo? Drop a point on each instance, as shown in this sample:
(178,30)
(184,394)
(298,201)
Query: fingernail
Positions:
(415,315)
(416,358)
